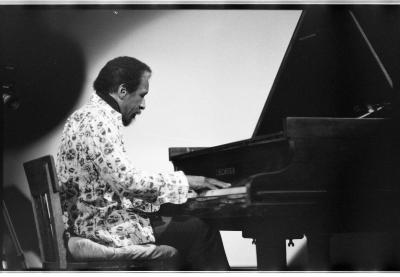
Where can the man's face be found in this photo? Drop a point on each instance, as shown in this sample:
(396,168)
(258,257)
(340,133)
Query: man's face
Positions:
(133,103)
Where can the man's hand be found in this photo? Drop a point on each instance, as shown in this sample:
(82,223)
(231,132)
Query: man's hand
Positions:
(199,183)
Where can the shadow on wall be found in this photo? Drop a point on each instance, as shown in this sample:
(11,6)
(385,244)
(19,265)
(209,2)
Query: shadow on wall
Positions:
(48,76)
(21,213)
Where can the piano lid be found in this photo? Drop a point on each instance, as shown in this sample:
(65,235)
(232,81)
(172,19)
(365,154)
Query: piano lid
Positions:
(339,61)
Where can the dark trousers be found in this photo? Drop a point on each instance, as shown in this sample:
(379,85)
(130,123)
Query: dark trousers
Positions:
(199,245)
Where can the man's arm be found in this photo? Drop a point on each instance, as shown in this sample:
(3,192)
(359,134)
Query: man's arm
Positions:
(117,170)
(115,167)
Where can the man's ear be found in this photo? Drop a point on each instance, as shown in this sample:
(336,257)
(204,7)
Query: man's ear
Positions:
(122,91)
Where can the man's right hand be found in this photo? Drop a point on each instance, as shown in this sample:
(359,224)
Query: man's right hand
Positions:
(199,183)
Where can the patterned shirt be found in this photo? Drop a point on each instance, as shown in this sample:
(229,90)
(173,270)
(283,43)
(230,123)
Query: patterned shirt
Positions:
(104,197)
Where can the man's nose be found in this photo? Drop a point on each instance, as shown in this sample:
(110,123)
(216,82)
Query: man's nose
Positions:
(143,105)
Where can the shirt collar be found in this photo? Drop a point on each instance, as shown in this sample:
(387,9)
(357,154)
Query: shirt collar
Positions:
(96,100)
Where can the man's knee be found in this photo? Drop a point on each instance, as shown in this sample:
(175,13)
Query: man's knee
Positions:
(166,252)
(169,257)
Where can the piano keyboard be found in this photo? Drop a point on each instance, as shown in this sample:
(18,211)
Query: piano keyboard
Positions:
(220,192)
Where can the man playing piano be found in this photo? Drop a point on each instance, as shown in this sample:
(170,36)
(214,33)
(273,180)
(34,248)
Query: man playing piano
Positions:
(109,204)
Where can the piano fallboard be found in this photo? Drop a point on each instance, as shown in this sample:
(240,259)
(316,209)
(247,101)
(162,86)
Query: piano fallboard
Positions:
(234,162)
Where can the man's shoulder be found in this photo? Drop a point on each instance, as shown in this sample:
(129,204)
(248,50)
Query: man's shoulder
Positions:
(87,113)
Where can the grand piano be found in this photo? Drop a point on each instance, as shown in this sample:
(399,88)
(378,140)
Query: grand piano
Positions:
(324,156)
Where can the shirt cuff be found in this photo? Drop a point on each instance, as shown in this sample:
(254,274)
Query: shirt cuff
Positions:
(176,191)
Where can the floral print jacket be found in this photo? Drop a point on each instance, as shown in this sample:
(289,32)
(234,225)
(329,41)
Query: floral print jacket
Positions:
(104,197)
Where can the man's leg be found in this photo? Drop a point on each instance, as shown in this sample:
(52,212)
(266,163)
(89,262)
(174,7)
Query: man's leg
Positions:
(198,244)
(82,249)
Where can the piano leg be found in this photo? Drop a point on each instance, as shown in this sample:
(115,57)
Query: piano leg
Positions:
(318,251)
(271,252)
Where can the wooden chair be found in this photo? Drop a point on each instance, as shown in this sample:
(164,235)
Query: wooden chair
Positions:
(14,239)
(43,184)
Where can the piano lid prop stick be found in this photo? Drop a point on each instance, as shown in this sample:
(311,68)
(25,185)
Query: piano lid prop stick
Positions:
(378,60)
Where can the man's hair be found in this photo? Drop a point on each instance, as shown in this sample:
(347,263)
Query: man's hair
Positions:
(121,70)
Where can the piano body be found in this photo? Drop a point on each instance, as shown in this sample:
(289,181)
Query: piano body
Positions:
(323,157)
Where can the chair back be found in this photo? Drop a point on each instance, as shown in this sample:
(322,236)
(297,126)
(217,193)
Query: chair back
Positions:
(43,184)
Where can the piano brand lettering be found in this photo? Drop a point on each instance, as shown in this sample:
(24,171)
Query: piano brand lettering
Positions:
(225,171)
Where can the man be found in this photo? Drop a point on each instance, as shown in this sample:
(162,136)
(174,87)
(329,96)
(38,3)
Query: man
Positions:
(107,202)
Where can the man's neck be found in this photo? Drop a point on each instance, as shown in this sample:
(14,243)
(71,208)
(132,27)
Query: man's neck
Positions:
(110,101)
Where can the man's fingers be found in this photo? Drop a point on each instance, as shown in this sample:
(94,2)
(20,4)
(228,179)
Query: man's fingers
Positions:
(225,185)
(211,186)
(218,184)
